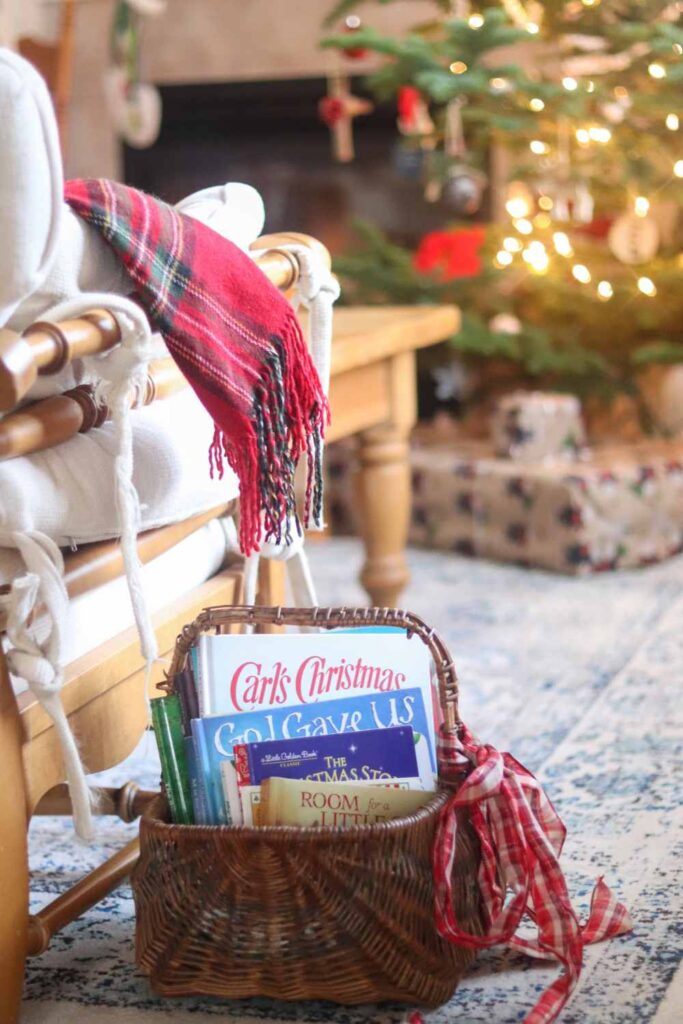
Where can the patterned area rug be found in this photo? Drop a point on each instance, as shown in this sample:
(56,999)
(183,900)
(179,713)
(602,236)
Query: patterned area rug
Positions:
(582,680)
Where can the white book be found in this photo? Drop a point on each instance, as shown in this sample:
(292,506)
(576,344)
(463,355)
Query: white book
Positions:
(252,672)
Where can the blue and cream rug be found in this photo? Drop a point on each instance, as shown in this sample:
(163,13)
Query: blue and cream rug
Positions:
(582,680)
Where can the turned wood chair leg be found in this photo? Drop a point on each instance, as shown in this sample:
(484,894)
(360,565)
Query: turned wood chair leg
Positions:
(13,855)
(127,802)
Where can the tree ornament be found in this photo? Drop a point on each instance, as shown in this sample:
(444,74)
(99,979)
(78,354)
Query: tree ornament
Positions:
(135,106)
(633,240)
(413,112)
(451,254)
(337,110)
(353,24)
(463,190)
(505,323)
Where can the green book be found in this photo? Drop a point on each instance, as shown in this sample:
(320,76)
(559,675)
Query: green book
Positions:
(168,729)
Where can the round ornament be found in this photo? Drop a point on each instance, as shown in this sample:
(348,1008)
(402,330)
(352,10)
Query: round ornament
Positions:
(505,323)
(463,191)
(135,108)
(353,24)
(633,240)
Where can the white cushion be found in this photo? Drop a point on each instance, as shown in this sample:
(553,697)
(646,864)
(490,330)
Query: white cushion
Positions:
(67,492)
(31,182)
(104,612)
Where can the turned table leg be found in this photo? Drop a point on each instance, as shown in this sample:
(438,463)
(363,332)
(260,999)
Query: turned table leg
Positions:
(13,855)
(383,495)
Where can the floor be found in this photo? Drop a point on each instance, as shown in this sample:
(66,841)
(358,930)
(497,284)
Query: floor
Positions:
(582,680)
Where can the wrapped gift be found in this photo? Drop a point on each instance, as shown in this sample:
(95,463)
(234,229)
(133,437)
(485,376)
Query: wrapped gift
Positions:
(614,508)
(533,425)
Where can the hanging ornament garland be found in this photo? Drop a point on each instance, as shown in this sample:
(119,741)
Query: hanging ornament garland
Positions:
(134,105)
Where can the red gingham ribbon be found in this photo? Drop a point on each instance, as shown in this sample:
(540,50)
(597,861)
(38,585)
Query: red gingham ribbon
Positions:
(521,837)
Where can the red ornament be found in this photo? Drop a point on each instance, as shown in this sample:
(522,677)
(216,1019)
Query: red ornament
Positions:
(331,110)
(351,25)
(408,101)
(451,254)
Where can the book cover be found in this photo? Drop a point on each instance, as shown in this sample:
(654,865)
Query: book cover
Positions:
(216,736)
(302,802)
(168,731)
(252,672)
(370,756)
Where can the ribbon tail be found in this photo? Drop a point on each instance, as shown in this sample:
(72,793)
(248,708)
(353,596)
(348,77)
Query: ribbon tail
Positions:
(607,917)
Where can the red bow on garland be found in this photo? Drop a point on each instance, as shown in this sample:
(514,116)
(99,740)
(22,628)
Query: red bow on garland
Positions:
(521,837)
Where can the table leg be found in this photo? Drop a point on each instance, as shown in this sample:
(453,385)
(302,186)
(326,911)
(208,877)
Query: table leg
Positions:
(383,495)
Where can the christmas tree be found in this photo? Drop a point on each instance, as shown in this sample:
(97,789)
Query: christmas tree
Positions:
(576,277)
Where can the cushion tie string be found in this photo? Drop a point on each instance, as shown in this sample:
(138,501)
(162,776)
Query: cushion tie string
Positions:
(521,838)
(40,663)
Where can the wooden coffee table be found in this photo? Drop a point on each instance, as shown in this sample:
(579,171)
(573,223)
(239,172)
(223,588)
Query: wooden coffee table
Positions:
(373,396)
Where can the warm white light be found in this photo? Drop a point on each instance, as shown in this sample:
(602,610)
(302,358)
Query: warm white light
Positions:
(641,206)
(598,134)
(503,258)
(517,206)
(538,147)
(532,28)
(657,70)
(590,86)
(536,104)
(524,226)
(570,84)
(605,290)
(677,48)
(512,244)
(458,67)
(563,246)
(536,257)
(475,21)
(647,286)
(590,3)
(678,168)
(672,122)
(542,221)
(581,273)
(545,202)
(500,84)
(582,136)
(353,21)
(621,92)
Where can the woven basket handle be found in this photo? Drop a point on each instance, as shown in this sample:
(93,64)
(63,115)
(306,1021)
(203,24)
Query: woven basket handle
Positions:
(222,616)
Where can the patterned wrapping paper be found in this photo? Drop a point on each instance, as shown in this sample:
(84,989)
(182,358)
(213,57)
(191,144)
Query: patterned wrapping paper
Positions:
(616,507)
(533,425)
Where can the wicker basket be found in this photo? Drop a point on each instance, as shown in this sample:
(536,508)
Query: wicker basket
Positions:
(300,913)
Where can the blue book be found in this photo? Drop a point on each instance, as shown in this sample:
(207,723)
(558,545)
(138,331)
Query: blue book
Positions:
(196,784)
(372,756)
(216,736)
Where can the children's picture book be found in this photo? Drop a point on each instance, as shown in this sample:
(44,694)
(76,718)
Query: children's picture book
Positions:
(257,674)
(372,756)
(302,802)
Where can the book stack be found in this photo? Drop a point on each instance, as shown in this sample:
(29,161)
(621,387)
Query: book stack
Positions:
(334,729)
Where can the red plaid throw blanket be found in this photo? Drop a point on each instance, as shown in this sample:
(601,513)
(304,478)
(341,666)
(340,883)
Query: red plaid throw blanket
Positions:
(235,338)
(521,837)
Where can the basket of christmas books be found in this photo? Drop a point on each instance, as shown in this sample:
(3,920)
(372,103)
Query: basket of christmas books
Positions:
(328,828)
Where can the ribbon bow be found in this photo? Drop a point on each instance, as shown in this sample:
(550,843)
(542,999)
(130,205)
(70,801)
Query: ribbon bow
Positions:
(521,837)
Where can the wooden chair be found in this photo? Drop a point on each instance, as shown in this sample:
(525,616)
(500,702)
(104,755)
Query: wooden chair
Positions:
(103,689)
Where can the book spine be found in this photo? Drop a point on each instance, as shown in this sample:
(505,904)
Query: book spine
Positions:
(168,730)
(231,795)
(209,776)
(200,665)
(184,686)
(196,788)
(242,764)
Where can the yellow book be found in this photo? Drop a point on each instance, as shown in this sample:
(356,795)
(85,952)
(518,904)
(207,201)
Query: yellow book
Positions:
(303,802)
